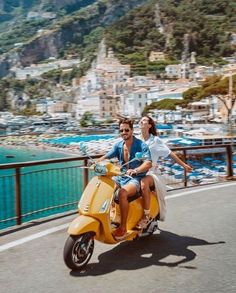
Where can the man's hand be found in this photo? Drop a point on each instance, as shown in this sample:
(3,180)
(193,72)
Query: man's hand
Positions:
(131,172)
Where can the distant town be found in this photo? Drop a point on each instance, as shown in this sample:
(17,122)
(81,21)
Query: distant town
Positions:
(108,92)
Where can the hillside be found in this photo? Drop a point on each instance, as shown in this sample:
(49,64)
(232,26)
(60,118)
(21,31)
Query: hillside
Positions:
(176,28)
(132,28)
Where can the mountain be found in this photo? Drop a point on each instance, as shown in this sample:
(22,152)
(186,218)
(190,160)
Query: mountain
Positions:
(39,29)
(73,29)
(177,28)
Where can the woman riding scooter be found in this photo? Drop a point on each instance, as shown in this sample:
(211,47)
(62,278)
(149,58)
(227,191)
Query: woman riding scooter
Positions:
(153,178)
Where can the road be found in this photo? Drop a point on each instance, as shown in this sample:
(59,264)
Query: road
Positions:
(194,251)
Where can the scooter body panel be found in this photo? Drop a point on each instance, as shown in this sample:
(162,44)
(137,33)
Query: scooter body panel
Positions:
(83,224)
(97,196)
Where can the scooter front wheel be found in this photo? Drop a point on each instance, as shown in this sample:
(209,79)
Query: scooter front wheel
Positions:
(78,250)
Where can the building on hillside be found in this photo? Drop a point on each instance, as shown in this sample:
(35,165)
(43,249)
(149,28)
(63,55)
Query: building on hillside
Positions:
(90,103)
(197,111)
(201,72)
(174,71)
(109,106)
(57,107)
(156,56)
(135,103)
(156,95)
(107,76)
(229,69)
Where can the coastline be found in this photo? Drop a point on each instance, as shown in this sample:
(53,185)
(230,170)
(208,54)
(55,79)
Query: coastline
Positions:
(35,143)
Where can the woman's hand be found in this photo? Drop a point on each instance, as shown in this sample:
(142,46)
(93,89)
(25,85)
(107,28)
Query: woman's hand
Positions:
(188,168)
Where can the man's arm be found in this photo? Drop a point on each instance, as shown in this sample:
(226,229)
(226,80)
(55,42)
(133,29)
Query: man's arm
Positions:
(111,154)
(146,165)
(101,159)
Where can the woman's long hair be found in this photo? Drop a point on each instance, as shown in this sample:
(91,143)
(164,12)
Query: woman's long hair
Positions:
(153,129)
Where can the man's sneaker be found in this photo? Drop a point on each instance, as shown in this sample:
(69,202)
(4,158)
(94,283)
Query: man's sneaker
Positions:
(119,234)
(142,224)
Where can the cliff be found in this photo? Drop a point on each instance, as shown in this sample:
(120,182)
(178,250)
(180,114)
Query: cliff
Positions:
(50,43)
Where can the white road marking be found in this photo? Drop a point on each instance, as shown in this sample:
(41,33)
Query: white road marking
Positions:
(64,226)
(32,237)
(199,190)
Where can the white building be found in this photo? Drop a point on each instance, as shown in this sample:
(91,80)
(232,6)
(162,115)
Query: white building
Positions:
(135,102)
(89,104)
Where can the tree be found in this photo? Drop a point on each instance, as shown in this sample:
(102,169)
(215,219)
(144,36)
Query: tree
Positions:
(223,88)
(87,119)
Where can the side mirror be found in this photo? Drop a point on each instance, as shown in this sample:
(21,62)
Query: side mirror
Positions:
(139,156)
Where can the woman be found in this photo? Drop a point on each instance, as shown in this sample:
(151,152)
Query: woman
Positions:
(153,178)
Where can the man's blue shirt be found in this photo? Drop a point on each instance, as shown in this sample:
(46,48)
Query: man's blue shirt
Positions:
(137,146)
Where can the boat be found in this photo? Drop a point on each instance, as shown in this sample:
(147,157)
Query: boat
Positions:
(10,156)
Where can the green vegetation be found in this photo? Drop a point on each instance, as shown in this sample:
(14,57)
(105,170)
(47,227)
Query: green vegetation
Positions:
(87,119)
(213,86)
(166,104)
(208,24)
(31,87)
(21,33)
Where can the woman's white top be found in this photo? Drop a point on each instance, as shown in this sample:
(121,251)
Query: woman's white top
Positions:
(157,148)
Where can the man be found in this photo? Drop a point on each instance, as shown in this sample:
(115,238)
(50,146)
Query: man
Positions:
(125,151)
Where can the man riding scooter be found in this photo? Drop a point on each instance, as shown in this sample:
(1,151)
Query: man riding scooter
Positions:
(128,186)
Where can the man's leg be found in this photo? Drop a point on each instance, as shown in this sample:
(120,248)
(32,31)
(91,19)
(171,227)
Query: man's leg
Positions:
(125,192)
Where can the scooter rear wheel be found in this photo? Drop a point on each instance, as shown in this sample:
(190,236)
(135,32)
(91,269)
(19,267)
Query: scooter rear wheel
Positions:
(78,250)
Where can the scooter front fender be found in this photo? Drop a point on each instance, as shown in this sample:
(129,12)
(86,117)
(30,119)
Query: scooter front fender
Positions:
(83,224)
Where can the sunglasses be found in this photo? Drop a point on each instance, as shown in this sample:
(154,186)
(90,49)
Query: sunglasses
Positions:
(124,130)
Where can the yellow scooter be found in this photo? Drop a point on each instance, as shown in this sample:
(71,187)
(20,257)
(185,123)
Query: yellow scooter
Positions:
(99,213)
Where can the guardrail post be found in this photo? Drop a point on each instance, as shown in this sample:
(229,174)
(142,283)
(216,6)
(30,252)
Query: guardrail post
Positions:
(85,174)
(18,197)
(185,173)
(229,155)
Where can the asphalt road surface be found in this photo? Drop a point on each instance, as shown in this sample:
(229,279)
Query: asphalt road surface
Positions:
(194,251)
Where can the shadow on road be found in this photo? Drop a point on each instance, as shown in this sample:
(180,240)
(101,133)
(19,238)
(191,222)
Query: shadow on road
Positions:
(145,252)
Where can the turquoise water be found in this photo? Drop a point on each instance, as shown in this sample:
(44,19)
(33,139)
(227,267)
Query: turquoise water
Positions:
(15,155)
(42,186)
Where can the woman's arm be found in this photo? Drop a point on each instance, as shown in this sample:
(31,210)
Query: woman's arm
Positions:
(180,162)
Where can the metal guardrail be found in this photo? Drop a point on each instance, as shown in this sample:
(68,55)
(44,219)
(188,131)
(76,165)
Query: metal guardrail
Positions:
(40,188)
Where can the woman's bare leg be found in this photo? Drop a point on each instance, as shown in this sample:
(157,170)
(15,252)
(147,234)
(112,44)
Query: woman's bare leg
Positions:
(146,183)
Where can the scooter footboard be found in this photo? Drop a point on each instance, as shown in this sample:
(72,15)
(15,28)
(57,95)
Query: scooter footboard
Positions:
(83,224)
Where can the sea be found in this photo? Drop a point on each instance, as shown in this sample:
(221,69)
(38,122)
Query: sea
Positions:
(41,186)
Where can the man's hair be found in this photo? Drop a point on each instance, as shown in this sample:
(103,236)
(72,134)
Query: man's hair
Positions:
(126,121)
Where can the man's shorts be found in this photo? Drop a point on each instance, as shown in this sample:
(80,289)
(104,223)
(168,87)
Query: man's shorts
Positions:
(121,181)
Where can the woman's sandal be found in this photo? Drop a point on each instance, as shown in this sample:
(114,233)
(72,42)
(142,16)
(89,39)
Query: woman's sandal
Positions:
(142,224)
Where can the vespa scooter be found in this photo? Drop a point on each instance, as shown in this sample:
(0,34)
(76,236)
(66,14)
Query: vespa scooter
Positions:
(98,213)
